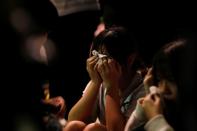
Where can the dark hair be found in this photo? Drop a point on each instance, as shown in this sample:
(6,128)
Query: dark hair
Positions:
(118,42)
(176,62)
(171,62)
(167,61)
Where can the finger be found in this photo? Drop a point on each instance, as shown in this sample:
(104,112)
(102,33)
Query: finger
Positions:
(96,66)
(93,59)
(117,66)
(90,59)
(105,64)
(100,66)
(91,49)
(148,80)
(103,67)
(150,70)
(92,62)
(153,90)
(140,100)
(111,63)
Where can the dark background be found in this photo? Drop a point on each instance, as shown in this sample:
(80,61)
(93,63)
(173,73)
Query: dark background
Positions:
(153,24)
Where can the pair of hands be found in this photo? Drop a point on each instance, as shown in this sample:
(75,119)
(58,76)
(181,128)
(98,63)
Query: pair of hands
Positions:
(104,70)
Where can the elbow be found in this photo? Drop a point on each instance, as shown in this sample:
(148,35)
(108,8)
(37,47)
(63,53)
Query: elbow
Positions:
(72,116)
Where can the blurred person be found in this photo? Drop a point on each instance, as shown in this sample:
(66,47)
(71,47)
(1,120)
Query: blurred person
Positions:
(27,22)
(55,109)
(168,108)
(77,22)
(113,68)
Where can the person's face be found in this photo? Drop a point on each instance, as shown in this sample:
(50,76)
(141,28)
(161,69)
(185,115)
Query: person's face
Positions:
(167,89)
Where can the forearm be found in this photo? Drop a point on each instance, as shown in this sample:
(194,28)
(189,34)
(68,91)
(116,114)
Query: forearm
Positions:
(114,119)
(83,109)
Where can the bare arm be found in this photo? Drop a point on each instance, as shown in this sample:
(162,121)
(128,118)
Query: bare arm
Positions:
(111,73)
(85,107)
(114,119)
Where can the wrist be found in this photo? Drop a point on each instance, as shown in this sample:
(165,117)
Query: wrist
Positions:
(113,92)
(95,83)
